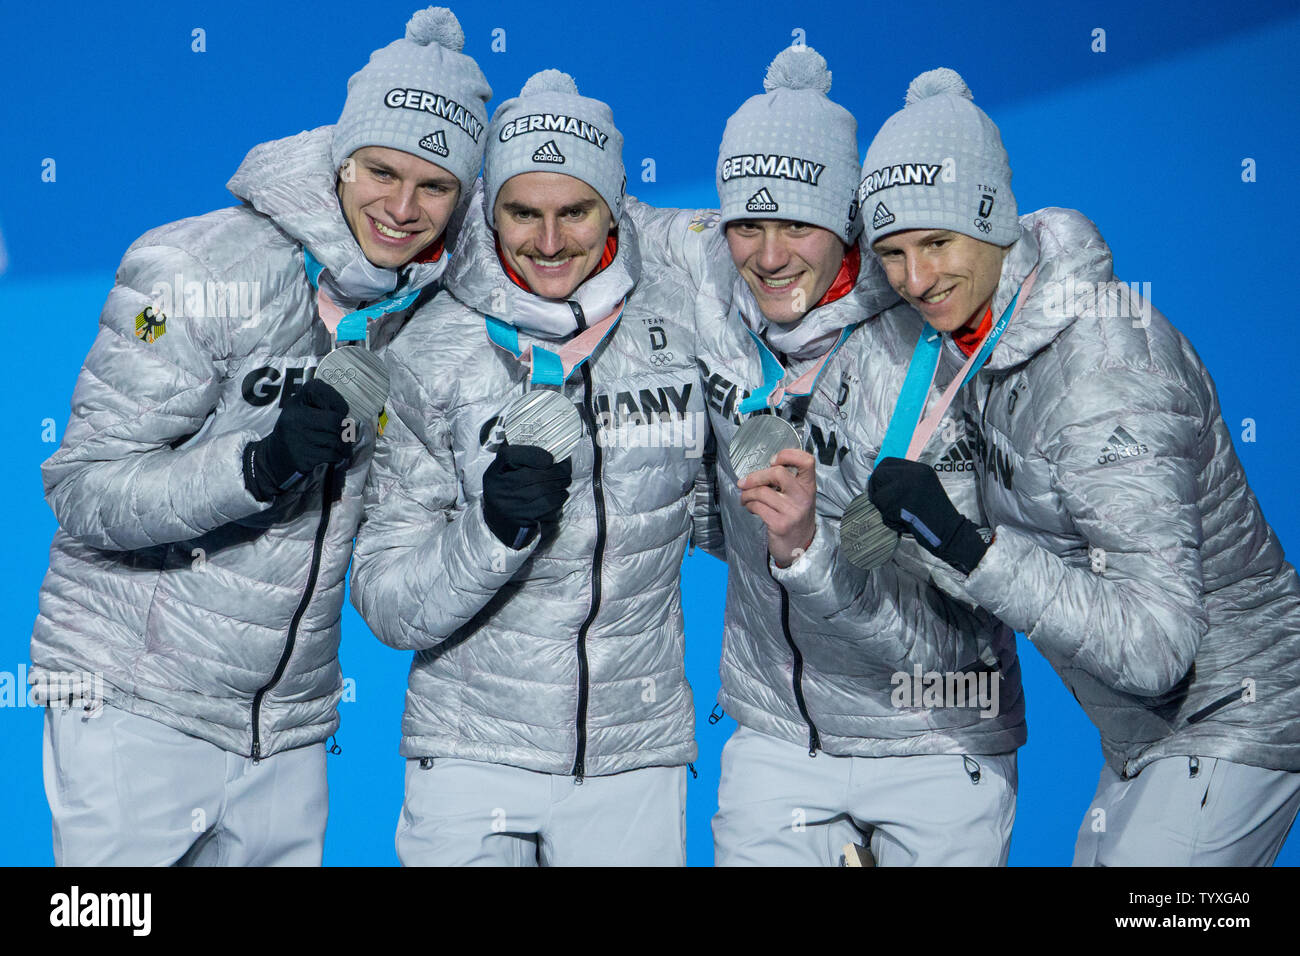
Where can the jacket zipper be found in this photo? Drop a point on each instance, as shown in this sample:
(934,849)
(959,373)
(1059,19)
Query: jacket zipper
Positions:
(588,413)
(1217,705)
(327,500)
(814,741)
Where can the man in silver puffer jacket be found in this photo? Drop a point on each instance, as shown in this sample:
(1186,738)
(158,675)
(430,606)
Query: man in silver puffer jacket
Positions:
(208,493)
(548,717)
(821,659)
(1128,545)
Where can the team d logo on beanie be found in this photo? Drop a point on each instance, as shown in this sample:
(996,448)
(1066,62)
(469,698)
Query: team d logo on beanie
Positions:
(939,163)
(790,152)
(422,95)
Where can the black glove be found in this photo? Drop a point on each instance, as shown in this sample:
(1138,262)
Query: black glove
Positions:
(309,432)
(523,492)
(912,501)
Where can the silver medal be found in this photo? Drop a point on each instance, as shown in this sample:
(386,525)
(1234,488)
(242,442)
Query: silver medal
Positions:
(757,440)
(865,540)
(546,419)
(359,375)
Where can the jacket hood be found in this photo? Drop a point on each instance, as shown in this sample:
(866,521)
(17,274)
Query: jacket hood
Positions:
(291,181)
(1062,243)
(477,278)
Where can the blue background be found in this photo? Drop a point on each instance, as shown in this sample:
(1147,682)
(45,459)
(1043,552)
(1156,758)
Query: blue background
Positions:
(1147,139)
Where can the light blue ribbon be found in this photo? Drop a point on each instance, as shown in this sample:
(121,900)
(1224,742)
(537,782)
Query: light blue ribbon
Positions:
(920,373)
(548,368)
(773,372)
(352,327)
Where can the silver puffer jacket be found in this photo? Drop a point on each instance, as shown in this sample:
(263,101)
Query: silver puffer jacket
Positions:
(1129,546)
(822,653)
(564,656)
(200,606)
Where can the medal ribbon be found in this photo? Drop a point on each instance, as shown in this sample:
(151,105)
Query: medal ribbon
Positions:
(349,326)
(549,368)
(907,436)
(774,391)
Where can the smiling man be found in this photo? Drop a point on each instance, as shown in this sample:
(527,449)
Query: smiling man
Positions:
(815,650)
(552,230)
(534,567)
(786,264)
(396,204)
(207,498)
(1128,545)
(946,276)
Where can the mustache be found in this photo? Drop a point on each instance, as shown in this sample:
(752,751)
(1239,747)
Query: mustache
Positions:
(568,252)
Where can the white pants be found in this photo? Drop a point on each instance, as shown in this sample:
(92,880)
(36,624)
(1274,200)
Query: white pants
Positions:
(472,813)
(129,791)
(779,807)
(1189,811)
